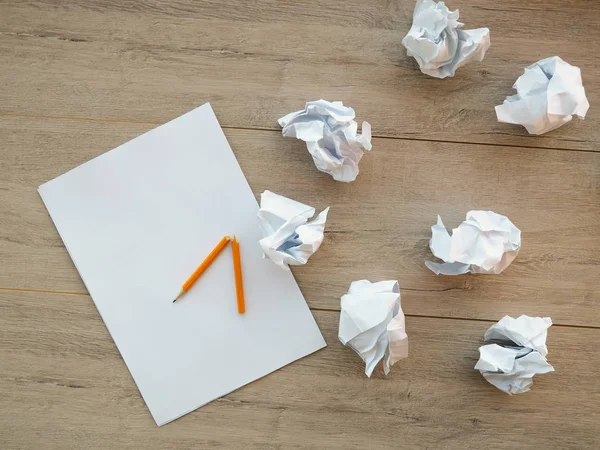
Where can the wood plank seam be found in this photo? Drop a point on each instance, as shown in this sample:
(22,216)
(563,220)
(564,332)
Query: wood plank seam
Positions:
(423,316)
(141,122)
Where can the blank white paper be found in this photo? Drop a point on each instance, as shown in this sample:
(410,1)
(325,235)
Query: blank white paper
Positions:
(137,221)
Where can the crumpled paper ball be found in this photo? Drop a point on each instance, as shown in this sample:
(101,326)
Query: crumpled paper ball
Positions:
(331,137)
(518,354)
(438,44)
(288,236)
(372,323)
(485,242)
(548,94)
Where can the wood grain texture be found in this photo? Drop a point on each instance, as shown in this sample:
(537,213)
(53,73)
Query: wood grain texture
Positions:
(117,68)
(151,61)
(378,227)
(64,385)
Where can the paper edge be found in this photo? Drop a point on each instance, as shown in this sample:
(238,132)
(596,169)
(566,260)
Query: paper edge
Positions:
(322,346)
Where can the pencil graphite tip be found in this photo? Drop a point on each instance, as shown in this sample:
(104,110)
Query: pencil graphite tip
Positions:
(181,292)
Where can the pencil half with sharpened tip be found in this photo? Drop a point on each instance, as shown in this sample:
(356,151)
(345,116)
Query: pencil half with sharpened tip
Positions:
(181,292)
(202,267)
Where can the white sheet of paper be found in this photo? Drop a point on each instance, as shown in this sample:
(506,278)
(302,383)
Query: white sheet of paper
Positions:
(137,221)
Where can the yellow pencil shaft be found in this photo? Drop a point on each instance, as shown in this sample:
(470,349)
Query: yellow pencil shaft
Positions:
(206,263)
(237,268)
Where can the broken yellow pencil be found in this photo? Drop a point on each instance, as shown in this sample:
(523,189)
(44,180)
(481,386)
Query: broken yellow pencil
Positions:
(237,270)
(202,267)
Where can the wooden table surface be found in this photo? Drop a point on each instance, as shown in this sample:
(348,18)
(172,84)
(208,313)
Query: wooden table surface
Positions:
(81,77)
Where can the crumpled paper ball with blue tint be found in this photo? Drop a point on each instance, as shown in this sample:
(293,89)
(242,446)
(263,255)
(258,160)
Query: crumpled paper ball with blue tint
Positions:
(331,136)
(485,242)
(518,354)
(288,236)
(438,44)
(548,94)
(372,323)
